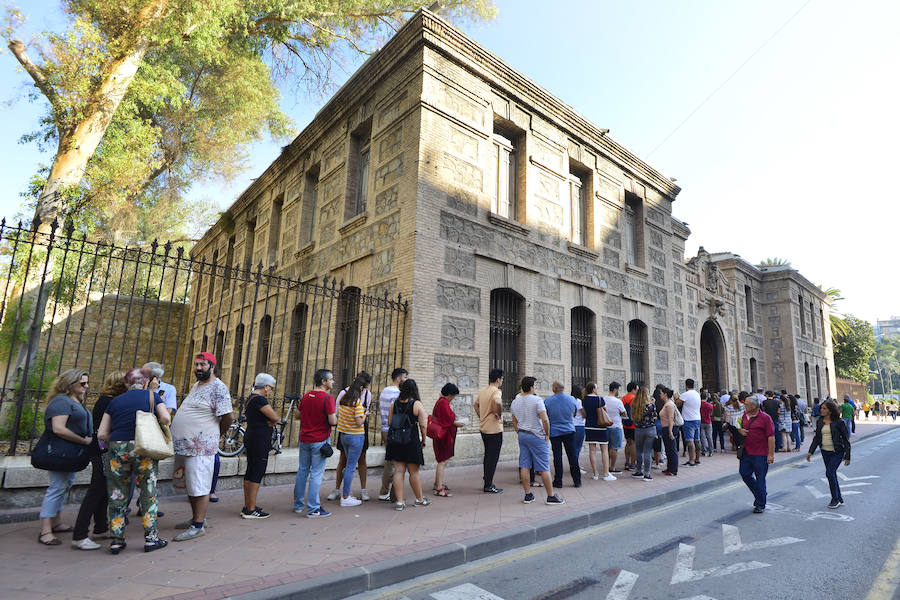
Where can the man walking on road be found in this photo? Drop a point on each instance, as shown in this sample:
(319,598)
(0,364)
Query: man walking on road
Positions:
(533,429)
(205,414)
(561,409)
(758,431)
(489,408)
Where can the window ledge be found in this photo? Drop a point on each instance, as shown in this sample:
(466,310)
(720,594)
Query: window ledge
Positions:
(304,250)
(353,222)
(636,270)
(509,224)
(583,251)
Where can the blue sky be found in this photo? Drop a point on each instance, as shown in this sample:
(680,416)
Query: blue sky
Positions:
(790,157)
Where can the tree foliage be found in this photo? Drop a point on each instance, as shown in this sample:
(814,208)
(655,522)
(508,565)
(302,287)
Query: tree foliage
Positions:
(148,97)
(775,261)
(886,361)
(837,323)
(853,350)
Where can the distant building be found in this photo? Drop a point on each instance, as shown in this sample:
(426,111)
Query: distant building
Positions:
(888,327)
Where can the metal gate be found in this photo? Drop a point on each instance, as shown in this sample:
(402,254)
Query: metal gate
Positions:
(637,346)
(506,309)
(582,346)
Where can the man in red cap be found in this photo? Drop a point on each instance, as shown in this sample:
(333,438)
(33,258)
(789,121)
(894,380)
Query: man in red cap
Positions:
(204,415)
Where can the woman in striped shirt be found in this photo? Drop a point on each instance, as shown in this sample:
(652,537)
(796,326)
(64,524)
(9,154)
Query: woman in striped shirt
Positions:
(351,419)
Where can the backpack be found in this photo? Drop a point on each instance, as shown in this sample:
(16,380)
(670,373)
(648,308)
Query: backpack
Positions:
(400,430)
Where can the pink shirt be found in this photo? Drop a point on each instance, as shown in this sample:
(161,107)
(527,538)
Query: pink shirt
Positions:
(706,412)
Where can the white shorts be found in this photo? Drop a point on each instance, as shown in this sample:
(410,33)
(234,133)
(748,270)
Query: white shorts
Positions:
(196,472)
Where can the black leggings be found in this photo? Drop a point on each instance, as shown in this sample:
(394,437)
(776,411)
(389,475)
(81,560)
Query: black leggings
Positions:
(258,443)
(671,452)
(718,434)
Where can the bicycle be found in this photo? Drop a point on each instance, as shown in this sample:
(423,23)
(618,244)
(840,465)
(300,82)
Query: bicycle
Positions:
(232,442)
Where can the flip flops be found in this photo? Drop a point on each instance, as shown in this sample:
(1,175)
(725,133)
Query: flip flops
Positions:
(54,541)
(61,528)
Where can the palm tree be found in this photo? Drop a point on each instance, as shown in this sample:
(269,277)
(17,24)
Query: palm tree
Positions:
(775,262)
(839,325)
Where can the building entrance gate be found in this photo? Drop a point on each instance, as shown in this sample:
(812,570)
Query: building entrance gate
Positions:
(712,357)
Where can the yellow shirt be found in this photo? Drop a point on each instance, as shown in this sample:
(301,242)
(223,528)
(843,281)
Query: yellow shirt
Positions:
(487,401)
(346,422)
(827,442)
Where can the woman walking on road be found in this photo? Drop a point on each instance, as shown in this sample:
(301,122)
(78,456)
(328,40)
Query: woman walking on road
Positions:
(834,440)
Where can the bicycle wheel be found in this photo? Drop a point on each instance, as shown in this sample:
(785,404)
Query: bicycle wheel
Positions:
(232,443)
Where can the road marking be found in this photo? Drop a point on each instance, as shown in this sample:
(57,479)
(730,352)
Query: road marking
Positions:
(622,586)
(700,597)
(818,495)
(827,516)
(845,478)
(888,581)
(849,485)
(731,540)
(684,567)
(466,591)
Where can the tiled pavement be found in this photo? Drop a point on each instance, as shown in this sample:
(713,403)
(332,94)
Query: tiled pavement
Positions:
(239,556)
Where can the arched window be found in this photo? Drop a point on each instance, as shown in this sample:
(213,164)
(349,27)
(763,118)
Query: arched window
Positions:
(211,290)
(236,357)
(347,336)
(637,351)
(296,351)
(808,386)
(219,350)
(582,345)
(505,329)
(818,382)
(754,375)
(262,348)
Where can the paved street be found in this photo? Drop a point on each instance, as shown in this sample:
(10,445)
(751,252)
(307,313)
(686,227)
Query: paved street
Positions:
(712,546)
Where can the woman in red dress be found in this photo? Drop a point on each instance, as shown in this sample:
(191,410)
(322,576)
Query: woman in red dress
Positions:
(444,421)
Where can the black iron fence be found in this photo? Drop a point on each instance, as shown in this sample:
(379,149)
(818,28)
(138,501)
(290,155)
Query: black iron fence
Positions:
(69,301)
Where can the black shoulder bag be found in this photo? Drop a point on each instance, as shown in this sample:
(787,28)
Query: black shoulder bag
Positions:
(740,450)
(325,449)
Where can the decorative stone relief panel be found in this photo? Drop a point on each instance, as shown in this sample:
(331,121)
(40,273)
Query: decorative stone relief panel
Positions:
(657,257)
(461,172)
(457,334)
(386,201)
(386,230)
(549,315)
(613,353)
(460,263)
(613,328)
(658,275)
(610,257)
(613,305)
(458,297)
(663,378)
(662,359)
(464,144)
(458,105)
(548,287)
(390,143)
(383,263)
(610,375)
(656,239)
(656,216)
(679,351)
(659,316)
(389,172)
(463,408)
(393,109)
(611,238)
(546,374)
(660,337)
(461,370)
(334,157)
(547,186)
(548,156)
(549,345)
(463,201)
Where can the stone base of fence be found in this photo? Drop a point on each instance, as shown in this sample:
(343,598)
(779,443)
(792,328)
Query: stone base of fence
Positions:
(23,486)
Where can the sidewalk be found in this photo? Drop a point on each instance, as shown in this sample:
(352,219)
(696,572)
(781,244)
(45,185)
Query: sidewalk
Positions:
(335,557)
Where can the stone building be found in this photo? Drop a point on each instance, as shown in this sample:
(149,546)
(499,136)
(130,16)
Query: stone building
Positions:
(524,236)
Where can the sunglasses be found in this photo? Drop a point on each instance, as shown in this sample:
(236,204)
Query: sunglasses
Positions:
(84,383)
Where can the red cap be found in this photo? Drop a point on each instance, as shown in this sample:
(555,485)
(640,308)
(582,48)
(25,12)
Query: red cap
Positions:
(208,357)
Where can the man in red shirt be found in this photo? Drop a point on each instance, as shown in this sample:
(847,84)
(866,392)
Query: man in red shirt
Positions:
(317,414)
(628,427)
(759,450)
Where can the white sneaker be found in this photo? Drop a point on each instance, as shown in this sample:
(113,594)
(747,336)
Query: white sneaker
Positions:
(583,472)
(334,495)
(364,496)
(595,476)
(609,477)
(85,544)
(350,501)
(385,497)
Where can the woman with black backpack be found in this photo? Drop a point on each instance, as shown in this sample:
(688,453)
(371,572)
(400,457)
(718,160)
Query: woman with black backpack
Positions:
(405,440)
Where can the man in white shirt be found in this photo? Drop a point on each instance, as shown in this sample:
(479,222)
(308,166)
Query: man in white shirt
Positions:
(532,427)
(616,410)
(385,401)
(690,412)
(166,391)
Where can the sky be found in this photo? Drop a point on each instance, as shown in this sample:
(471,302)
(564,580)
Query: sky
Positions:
(778,118)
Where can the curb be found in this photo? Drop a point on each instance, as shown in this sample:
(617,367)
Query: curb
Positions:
(403,568)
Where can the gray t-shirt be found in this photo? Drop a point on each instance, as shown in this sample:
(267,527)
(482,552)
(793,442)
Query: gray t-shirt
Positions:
(195,429)
(79,421)
(527,411)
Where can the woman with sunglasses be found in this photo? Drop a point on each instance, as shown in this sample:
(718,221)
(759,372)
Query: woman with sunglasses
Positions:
(261,418)
(65,417)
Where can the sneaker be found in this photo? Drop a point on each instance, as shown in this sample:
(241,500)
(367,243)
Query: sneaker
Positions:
(627,467)
(300,511)
(554,499)
(492,490)
(637,474)
(583,472)
(647,477)
(399,505)
(187,524)
(334,495)
(189,534)
(609,477)
(595,476)
(256,513)
(385,497)
(758,510)
(319,512)
(529,498)
(615,471)
(833,504)
(422,502)
(364,495)
(85,544)
(840,500)
(350,501)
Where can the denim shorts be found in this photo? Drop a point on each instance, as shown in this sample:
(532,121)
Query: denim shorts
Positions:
(691,431)
(616,438)
(534,452)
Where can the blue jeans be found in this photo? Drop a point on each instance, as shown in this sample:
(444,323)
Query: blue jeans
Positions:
(832,462)
(312,468)
(578,442)
(795,435)
(353,445)
(849,423)
(55,495)
(753,471)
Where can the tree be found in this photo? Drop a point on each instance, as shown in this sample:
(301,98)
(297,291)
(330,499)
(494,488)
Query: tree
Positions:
(886,360)
(130,65)
(853,350)
(838,323)
(775,262)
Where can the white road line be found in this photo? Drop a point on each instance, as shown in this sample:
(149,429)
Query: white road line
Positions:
(818,495)
(700,597)
(845,478)
(731,540)
(622,586)
(466,591)
(684,567)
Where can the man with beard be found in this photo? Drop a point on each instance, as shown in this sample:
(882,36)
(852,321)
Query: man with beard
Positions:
(204,415)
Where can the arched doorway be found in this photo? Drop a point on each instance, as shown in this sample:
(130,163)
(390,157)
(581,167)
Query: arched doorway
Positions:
(712,357)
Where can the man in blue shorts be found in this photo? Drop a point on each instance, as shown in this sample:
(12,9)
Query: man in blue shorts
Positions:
(690,411)
(533,431)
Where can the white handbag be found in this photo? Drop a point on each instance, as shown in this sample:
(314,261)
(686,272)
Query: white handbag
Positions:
(151,439)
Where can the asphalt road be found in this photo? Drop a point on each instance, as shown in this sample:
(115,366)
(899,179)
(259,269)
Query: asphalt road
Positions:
(711,547)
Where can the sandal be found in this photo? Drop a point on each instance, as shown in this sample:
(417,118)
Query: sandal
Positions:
(155,545)
(54,541)
(443,493)
(59,528)
(117,546)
